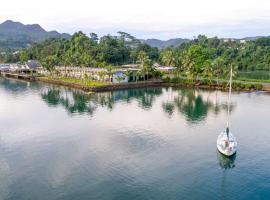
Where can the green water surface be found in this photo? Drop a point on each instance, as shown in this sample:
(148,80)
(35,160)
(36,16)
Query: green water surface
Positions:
(153,143)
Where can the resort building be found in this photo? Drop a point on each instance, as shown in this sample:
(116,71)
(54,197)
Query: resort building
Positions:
(163,68)
(120,75)
(28,67)
(4,67)
(32,65)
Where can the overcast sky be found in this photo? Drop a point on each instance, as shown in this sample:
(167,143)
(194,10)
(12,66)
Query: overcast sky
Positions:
(145,18)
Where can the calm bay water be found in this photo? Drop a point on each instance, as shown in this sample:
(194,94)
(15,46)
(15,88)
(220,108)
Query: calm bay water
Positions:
(155,143)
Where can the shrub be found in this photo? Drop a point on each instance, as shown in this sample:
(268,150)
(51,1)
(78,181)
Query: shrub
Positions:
(175,80)
(258,86)
(167,79)
(248,86)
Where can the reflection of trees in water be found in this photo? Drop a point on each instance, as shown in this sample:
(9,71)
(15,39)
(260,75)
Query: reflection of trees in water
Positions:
(145,97)
(192,104)
(17,86)
(169,106)
(74,101)
(78,102)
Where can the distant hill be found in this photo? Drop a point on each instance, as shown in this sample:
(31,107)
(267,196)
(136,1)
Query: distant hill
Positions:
(14,35)
(167,43)
(253,38)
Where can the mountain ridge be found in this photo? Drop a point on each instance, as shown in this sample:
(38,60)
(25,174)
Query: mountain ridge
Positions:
(165,43)
(14,35)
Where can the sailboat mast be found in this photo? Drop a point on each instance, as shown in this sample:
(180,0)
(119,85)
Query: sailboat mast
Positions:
(229,99)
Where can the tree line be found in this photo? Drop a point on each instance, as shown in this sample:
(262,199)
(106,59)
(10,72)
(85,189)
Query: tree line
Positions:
(203,51)
(89,51)
(200,56)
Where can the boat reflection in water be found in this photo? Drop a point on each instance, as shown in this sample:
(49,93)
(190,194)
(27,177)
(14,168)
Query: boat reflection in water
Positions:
(226,163)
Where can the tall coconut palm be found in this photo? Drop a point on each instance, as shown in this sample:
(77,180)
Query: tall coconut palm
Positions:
(147,68)
(133,56)
(168,58)
(129,74)
(145,64)
(189,66)
(138,75)
(109,72)
(218,68)
(207,70)
(142,57)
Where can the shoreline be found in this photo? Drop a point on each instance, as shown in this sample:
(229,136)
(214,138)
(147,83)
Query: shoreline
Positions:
(131,85)
(105,88)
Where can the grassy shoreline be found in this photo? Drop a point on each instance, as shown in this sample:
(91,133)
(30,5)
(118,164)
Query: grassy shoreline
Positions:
(221,84)
(97,86)
(88,83)
(93,86)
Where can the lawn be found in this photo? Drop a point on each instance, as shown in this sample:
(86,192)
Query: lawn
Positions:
(85,82)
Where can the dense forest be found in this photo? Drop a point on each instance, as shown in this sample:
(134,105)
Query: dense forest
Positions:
(200,54)
(92,51)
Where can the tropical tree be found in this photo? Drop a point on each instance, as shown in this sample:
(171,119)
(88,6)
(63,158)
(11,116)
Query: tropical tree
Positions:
(147,68)
(218,66)
(49,63)
(109,71)
(208,70)
(168,58)
(120,78)
(102,75)
(138,75)
(133,55)
(129,73)
(142,57)
(23,56)
(146,65)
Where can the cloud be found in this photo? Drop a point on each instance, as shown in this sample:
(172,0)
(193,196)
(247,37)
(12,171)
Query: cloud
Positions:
(151,18)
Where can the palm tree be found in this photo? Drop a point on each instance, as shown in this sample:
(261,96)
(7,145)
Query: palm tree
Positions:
(129,74)
(133,56)
(102,74)
(138,75)
(110,72)
(168,58)
(189,66)
(218,67)
(208,70)
(147,68)
(145,64)
(119,78)
(142,57)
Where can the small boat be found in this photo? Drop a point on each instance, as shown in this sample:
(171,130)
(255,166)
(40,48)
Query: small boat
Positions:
(226,142)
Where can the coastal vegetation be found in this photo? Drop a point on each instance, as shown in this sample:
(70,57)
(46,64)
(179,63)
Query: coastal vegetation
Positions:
(197,62)
(83,82)
(91,51)
(204,57)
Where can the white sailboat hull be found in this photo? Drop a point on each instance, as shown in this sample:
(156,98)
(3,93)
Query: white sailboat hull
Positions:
(226,146)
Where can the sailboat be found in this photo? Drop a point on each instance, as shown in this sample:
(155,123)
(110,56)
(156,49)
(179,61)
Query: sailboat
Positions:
(226,142)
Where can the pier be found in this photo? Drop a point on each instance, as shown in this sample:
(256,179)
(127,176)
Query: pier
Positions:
(18,76)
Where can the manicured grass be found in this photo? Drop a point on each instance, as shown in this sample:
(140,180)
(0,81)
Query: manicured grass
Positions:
(236,84)
(88,83)
(253,80)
